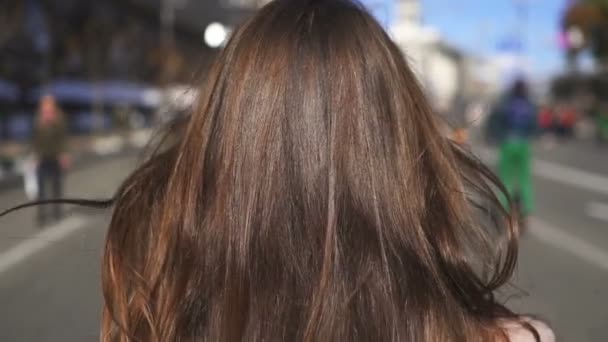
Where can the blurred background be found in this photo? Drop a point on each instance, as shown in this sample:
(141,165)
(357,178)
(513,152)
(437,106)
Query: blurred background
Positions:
(108,72)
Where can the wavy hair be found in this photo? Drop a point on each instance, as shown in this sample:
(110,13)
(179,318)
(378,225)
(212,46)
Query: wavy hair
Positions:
(309,196)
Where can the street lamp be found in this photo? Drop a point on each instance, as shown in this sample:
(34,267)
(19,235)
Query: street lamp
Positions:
(216,35)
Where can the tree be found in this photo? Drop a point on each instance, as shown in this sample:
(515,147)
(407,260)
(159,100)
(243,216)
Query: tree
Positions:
(589,19)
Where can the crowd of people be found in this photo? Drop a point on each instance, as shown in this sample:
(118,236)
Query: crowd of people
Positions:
(561,119)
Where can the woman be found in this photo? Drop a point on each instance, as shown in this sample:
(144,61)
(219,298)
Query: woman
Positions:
(309,197)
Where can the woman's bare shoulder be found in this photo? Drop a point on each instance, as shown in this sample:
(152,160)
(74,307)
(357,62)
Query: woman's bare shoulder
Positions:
(517,333)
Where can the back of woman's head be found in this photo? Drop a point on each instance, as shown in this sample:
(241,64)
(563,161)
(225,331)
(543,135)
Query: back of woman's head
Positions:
(520,88)
(310,197)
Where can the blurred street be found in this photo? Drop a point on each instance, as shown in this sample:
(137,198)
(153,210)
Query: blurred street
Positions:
(50,289)
(564,255)
(49,278)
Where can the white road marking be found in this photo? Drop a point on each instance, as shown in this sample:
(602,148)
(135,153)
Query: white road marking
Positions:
(597,210)
(560,173)
(569,243)
(52,234)
(108,145)
(571,176)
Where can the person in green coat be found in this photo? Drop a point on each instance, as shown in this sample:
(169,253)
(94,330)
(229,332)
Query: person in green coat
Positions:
(515,124)
(602,124)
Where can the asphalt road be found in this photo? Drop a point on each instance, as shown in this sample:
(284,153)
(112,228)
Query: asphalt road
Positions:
(49,279)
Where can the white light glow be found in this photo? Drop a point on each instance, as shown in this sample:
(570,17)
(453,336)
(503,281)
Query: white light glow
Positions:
(576,38)
(216,35)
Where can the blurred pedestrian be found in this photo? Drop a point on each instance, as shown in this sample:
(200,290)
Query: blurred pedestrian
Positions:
(49,146)
(457,116)
(566,119)
(602,123)
(546,126)
(519,125)
(546,119)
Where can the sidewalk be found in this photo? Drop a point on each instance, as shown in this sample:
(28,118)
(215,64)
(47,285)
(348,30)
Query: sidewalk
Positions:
(83,150)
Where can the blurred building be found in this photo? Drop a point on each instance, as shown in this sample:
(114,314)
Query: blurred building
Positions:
(139,40)
(99,55)
(439,66)
(487,75)
(409,11)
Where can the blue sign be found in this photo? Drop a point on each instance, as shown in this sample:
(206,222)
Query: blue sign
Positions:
(382,10)
(510,44)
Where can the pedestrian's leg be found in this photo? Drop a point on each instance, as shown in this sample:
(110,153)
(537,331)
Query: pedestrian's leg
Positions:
(41,175)
(603,129)
(525,179)
(57,188)
(505,170)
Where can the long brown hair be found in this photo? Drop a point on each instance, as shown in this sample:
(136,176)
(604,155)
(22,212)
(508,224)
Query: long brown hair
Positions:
(309,197)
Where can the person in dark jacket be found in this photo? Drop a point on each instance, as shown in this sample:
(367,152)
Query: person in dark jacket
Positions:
(49,145)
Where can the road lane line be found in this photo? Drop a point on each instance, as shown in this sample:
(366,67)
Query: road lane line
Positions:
(569,243)
(560,173)
(52,234)
(571,176)
(597,210)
